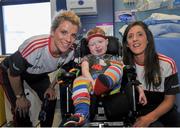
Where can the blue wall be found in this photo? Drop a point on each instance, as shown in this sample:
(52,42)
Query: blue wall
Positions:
(105,14)
(170,47)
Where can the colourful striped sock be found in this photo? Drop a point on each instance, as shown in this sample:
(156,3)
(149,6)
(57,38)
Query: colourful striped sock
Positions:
(114,72)
(81,97)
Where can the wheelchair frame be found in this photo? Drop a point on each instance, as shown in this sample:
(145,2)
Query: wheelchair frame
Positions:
(114,48)
(67,107)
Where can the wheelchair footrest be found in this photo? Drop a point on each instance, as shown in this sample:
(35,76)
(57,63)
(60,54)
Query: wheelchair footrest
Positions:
(100,118)
(106,124)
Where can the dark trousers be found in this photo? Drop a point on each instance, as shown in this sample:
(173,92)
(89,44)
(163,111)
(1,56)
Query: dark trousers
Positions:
(39,83)
(170,119)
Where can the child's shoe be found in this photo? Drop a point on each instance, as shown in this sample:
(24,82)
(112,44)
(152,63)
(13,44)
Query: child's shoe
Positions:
(75,120)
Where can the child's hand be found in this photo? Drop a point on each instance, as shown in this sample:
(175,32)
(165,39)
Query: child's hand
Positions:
(92,83)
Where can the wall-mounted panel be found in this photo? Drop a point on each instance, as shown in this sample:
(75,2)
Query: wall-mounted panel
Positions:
(104,14)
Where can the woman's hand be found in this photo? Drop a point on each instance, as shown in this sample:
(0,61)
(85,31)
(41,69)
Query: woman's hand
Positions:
(51,93)
(142,99)
(142,121)
(22,106)
(142,96)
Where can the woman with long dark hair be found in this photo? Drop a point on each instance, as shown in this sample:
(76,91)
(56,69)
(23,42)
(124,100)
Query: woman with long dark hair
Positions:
(157,73)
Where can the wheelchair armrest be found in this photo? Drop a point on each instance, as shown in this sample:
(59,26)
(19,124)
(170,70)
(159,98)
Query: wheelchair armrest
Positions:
(69,75)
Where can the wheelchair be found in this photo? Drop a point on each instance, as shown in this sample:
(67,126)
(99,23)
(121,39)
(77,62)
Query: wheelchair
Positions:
(115,110)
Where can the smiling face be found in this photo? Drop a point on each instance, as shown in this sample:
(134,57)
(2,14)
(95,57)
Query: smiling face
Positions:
(63,37)
(137,40)
(98,45)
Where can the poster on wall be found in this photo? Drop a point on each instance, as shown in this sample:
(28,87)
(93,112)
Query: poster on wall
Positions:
(125,16)
(107,27)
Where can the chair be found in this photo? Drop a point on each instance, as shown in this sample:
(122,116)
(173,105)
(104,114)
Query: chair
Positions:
(102,115)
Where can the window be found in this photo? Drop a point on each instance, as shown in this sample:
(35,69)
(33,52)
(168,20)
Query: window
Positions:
(23,21)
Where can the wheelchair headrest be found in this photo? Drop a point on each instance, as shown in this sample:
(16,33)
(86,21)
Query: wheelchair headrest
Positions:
(114,46)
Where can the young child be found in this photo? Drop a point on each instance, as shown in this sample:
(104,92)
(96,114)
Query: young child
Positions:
(101,75)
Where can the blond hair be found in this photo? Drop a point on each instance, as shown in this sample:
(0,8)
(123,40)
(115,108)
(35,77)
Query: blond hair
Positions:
(64,15)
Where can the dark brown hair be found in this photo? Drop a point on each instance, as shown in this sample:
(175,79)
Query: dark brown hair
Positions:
(151,62)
